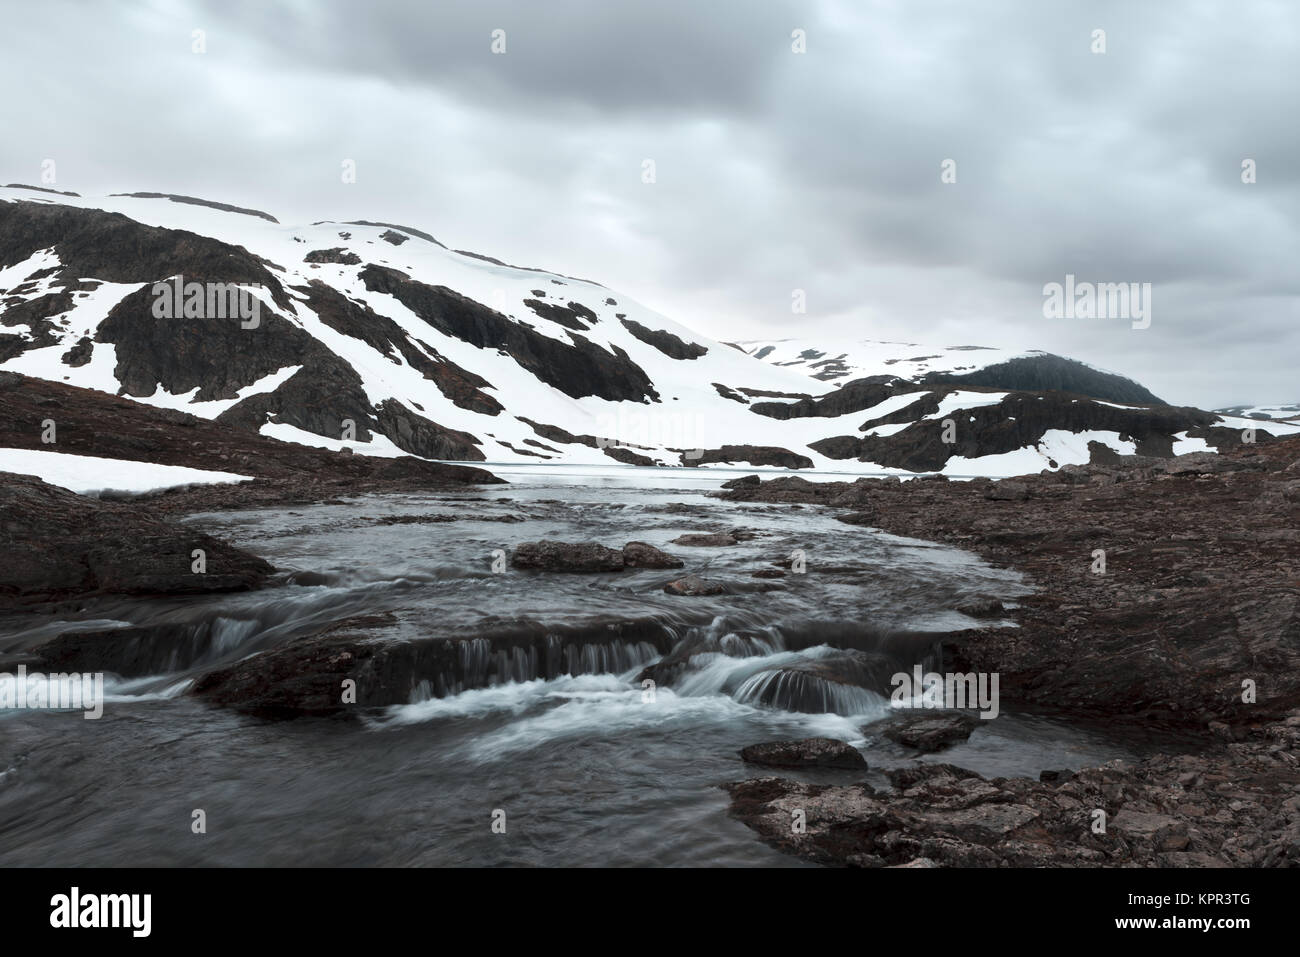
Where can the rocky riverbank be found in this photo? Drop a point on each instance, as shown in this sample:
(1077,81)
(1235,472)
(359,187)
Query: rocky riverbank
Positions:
(1168,597)
(59,545)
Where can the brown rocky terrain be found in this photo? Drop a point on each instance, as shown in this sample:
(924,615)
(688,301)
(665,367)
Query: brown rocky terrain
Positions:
(60,545)
(1193,624)
(89,422)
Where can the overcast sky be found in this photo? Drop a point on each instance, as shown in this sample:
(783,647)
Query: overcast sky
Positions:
(774,170)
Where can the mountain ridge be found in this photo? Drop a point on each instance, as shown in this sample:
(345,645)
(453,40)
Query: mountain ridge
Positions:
(369,341)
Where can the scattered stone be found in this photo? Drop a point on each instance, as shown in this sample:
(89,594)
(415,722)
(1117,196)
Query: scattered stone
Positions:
(806,753)
(337,255)
(931,731)
(857,518)
(1055,777)
(694,585)
(552,556)
(1007,491)
(706,540)
(643,555)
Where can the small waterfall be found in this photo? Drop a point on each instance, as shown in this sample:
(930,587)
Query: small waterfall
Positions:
(516,655)
(790,690)
(614,658)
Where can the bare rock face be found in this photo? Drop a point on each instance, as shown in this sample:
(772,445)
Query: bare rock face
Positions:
(338,255)
(667,343)
(751,454)
(1232,806)
(578,368)
(806,753)
(412,432)
(552,556)
(643,555)
(60,545)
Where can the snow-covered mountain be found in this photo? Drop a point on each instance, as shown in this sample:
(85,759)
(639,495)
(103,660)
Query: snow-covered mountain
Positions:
(1287,412)
(849,359)
(378,338)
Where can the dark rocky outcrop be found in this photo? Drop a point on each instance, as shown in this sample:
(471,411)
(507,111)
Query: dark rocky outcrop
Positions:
(573,316)
(750,454)
(42,189)
(382,334)
(317,398)
(338,255)
(1232,805)
(552,556)
(929,730)
(556,434)
(643,555)
(621,453)
(80,353)
(670,345)
(60,545)
(729,393)
(113,248)
(578,369)
(853,396)
(191,201)
(417,233)
(706,539)
(1016,421)
(412,432)
(1044,372)
(693,586)
(217,356)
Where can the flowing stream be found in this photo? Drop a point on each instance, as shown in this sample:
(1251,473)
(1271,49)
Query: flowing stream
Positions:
(544,713)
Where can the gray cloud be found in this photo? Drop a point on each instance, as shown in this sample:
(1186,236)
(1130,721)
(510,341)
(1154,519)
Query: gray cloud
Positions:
(775,170)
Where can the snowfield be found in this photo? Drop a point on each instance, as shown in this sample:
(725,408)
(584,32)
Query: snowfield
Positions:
(88,474)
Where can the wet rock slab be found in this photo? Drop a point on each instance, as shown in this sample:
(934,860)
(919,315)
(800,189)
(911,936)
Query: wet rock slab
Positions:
(58,545)
(694,585)
(552,556)
(928,731)
(805,753)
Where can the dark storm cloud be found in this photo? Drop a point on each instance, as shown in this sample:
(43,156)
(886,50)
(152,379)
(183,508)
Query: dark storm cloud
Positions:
(775,170)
